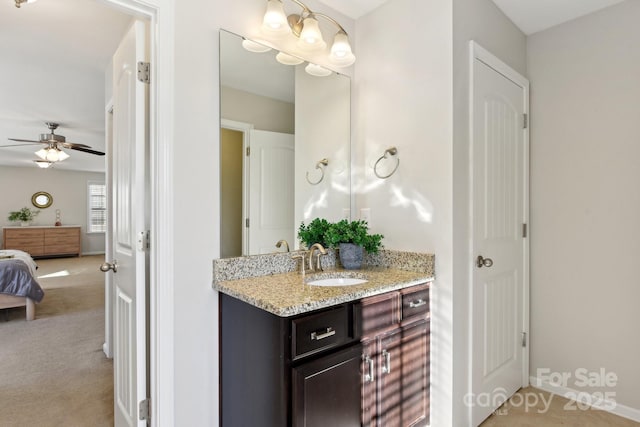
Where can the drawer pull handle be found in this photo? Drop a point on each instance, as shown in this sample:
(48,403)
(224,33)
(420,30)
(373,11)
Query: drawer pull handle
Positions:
(386,368)
(322,335)
(369,377)
(418,303)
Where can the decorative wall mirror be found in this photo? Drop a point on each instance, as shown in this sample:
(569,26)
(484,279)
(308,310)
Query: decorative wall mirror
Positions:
(41,199)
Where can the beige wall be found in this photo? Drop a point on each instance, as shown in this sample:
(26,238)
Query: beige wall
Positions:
(231,155)
(403,98)
(262,112)
(69,192)
(585,202)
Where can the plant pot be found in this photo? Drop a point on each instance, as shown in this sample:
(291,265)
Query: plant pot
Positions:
(25,223)
(351,256)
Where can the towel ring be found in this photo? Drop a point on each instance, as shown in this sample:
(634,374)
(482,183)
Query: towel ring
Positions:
(392,151)
(320,165)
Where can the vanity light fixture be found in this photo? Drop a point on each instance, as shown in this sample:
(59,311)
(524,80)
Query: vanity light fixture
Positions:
(306,28)
(21,2)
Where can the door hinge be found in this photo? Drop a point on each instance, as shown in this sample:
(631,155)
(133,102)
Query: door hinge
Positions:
(246,222)
(144,72)
(144,240)
(525,121)
(144,410)
(248,151)
(524,230)
(524,339)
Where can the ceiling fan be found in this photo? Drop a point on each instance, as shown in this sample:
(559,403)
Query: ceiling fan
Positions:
(55,142)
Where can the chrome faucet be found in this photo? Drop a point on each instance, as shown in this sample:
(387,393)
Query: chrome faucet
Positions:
(321,251)
(283,242)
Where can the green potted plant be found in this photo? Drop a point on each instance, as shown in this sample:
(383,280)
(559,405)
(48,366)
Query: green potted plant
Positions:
(314,232)
(24,215)
(352,238)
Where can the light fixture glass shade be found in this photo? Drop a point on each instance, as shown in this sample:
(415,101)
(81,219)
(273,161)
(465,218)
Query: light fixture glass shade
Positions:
(256,47)
(52,155)
(317,70)
(341,54)
(286,59)
(43,163)
(62,155)
(275,20)
(311,36)
(42,153)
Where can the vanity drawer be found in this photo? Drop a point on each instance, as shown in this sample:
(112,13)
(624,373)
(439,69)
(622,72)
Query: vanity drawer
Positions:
(375,314)
(320,331)
(415,302)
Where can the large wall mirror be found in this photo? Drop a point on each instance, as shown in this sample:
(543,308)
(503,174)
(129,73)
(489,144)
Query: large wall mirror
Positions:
(284,149)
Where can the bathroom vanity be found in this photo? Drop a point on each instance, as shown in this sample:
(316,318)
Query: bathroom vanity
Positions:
(293,354)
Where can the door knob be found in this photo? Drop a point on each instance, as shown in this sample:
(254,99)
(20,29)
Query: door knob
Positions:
(106,266)
(483,262)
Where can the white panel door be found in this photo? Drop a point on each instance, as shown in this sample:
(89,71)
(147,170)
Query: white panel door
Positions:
(271,190)
(129,223)
(498,283)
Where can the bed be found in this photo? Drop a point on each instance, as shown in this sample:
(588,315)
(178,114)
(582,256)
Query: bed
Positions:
(18,284)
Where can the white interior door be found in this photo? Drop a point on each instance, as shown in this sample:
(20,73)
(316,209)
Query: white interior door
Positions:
(130,207)
(499,291)
(271,190)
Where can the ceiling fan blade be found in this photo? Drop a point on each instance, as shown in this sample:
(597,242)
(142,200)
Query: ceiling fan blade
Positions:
(72,145)
(86,150)
(27,140)
(20,145)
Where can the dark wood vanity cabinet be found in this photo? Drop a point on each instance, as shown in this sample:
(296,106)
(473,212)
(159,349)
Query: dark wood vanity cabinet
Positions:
(360,363)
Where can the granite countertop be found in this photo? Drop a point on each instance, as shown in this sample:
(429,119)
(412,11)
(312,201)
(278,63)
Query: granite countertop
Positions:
(287,294)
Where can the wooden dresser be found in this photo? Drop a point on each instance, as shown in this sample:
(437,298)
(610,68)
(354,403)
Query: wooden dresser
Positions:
(42,242)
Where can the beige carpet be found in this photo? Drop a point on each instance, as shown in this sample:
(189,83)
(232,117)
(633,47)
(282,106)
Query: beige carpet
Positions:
(560,412)
(52,370)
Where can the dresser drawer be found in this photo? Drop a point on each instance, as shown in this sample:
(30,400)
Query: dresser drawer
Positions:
(415,302)
(320,331)
(26,233)
(61,233)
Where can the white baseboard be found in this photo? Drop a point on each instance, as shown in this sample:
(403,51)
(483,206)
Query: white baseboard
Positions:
(93,253)
(608,406)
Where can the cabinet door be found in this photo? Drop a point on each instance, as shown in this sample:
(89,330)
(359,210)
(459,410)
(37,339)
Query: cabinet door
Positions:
(369,374)
(414,378)
(326,391)
(390,370)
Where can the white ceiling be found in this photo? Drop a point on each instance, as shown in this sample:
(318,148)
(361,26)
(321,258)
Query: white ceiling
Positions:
(55,53)
(532,16)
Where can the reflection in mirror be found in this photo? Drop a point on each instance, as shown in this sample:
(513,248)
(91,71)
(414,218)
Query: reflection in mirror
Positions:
(277,121)
(41,199)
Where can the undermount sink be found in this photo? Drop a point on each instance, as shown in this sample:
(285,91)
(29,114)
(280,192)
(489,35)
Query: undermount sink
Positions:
(337,281)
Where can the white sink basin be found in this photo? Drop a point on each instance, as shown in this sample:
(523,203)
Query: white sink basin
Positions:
(337,281)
